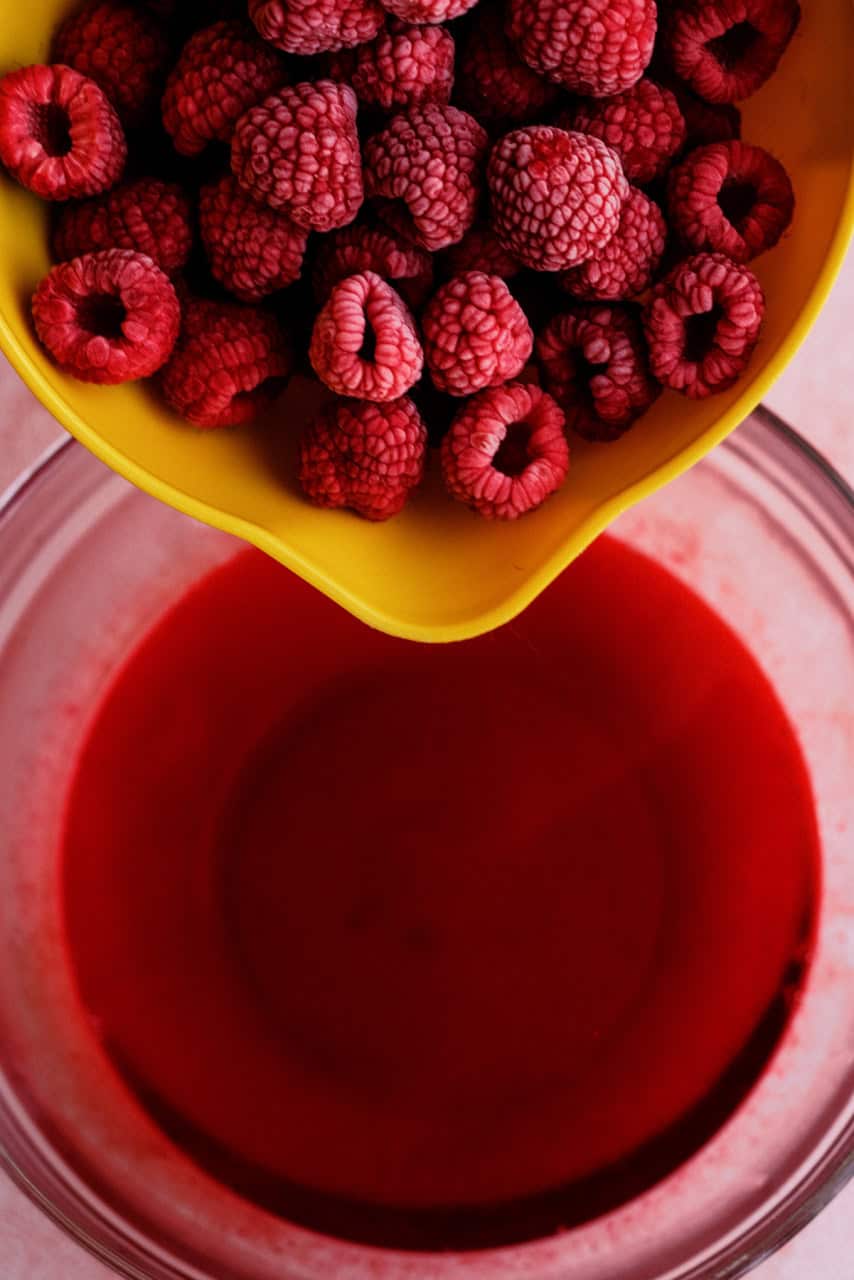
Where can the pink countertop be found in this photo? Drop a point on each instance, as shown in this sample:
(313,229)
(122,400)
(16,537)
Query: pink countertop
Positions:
(816,394)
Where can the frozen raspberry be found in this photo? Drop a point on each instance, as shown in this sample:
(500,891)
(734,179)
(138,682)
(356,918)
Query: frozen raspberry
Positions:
(594,47)
(428,161)
(730,198)
(316,26)
(121,48)
(222,71)
(630,259)
(506,451)
(298,151)
(364,456)
(428,10)
(480,250)
(475,334)
(403,66)
(148,216)
(727,49)
(593,362)
(556,196)
(493,83)
(60,136)
(643,125)
(229,363)
(707,122)
(252,250)
(107,317)
(702,324)
(364,342)
(354,249)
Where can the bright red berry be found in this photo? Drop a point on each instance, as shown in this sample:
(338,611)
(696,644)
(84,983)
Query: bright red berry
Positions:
(475,334)
(506,451)
(364,343)
(107,317)
(354,249)
(364,456)
(252,250)
(60,136)
(428,161)
(593,47)
(493,83)
(643,125)
(298,151)
(593,362)
(727,49)
(223,70)
(316,26)
(702,324)
(628,263)
(402,67)
(120,47)
(148,216)
(228,365)
(555,196)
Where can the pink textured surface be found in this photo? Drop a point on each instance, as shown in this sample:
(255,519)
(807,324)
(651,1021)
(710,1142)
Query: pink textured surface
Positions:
(816,394)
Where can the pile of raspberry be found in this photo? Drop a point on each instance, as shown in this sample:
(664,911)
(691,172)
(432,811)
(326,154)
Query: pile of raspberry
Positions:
(489,228)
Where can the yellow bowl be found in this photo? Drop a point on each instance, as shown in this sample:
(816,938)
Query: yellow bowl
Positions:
(438,572)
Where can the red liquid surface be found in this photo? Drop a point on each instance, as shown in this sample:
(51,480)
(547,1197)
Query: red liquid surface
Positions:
(442,946)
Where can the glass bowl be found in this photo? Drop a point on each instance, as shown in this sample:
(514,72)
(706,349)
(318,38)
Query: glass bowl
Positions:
(763,530)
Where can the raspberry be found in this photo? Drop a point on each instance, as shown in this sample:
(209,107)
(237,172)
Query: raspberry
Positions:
(506,452)
(60,136)
(594,363)
(148,216)
(357,248)
(556,196)
(593,47)
(481,250)
(428,10)
(475,334)
(643,125)
(727,49)
(364,456)
(630,259)
(702,324)
(429,159)
(222,71)
(298,151)
(731,198)
(227,366)
(402,67)
(107,317)
(252,250)
(121,48)
(364,342)
(316,26)
(494,84)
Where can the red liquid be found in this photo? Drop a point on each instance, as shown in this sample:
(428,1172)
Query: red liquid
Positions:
(440,946)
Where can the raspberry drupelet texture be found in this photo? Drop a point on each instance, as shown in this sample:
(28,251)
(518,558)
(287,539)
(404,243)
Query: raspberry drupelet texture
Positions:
(475,334)
(592,47)
(644,126)
(506,451)
(60,136)
(629,261)
(493,82)
(702,324)
(223,70)
(122,48)
(354,249)
(364,343)
(402,67)
(298,151)
(424,11)
(107,317)
(593,362)
(228,364)
(731,198)
(555,196)
(316,26)
(480,250)
(148,216)
(252,250)
(364,456)
(726,49)
(428,161)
